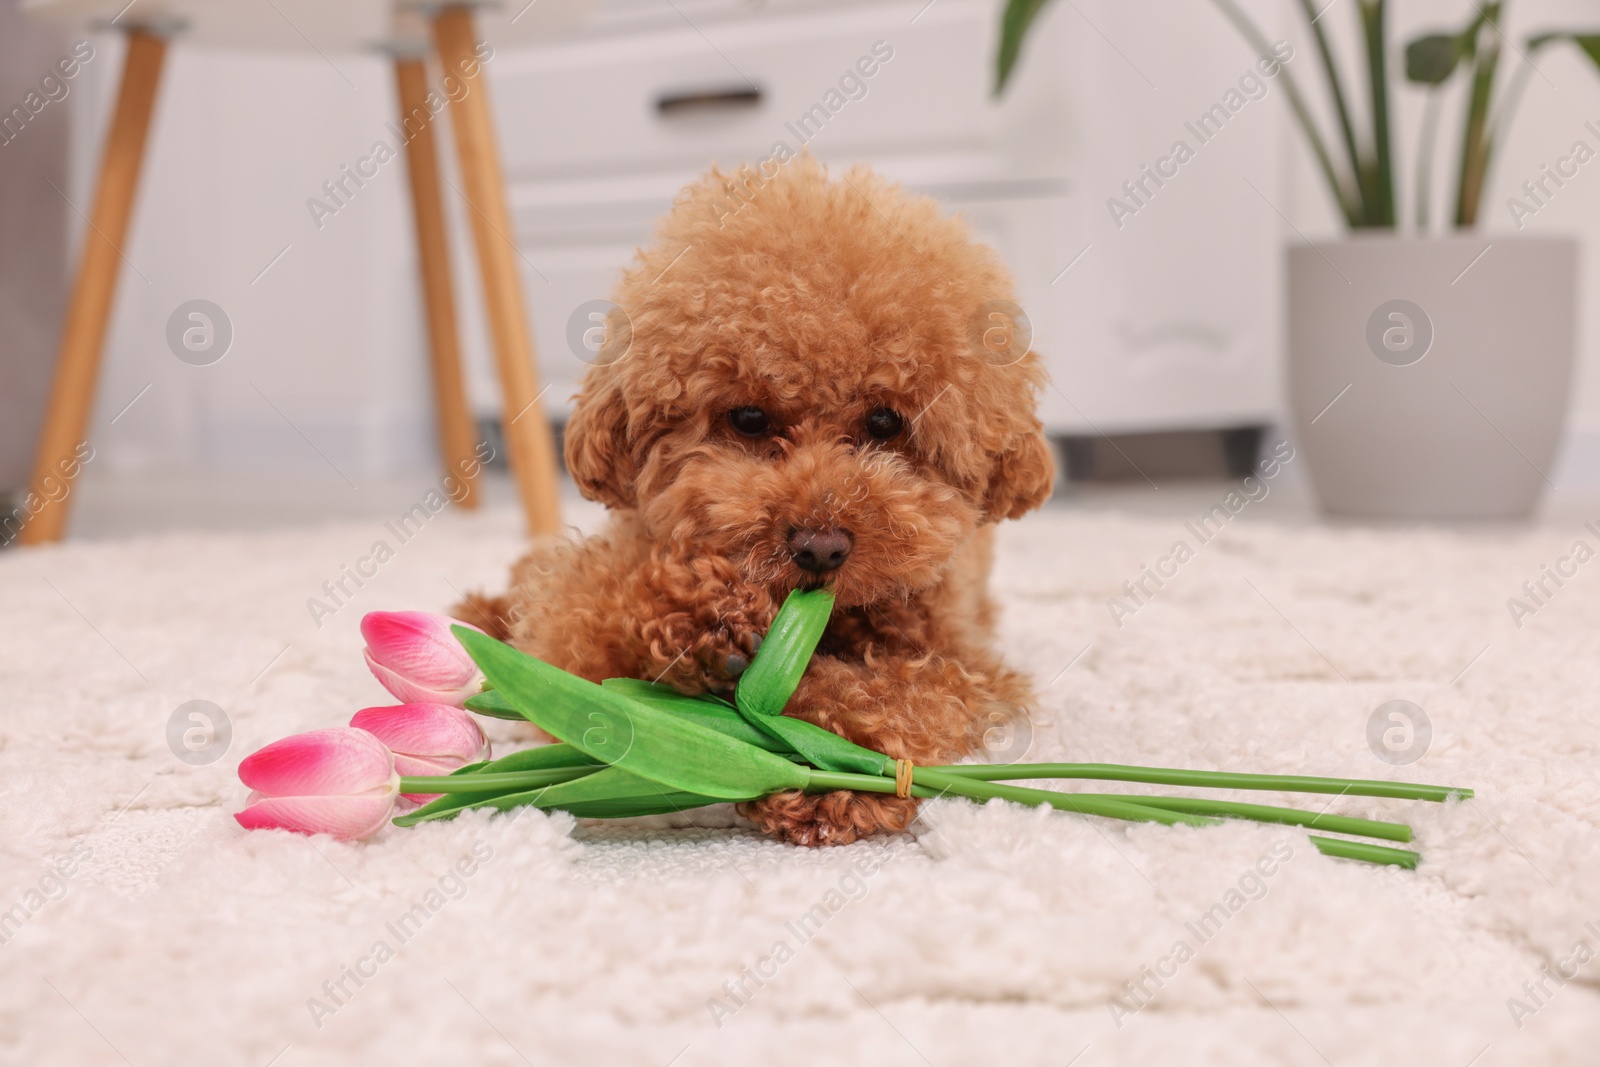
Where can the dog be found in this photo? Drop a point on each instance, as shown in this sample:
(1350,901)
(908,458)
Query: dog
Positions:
(803,387)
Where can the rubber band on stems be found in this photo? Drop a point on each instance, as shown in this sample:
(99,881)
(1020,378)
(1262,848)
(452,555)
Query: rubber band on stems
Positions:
(902,778)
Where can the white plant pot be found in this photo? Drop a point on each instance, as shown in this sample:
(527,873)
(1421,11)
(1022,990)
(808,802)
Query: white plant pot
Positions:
(1428,381)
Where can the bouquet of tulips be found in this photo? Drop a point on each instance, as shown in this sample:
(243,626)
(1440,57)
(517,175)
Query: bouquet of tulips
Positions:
(629,747)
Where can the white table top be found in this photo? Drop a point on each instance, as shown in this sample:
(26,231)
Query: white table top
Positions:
(323,25)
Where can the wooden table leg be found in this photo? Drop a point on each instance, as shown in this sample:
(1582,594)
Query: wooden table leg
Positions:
(529,442)
(457,434)
(89,310)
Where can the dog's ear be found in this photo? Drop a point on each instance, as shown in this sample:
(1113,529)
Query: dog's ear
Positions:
(598,450)
(1021,477)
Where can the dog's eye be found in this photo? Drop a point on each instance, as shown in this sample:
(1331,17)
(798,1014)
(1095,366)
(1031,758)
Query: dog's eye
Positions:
(884,424)
(749,420)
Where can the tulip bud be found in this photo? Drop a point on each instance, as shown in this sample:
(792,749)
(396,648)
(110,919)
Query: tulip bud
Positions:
(340,782)
(418,659)
(426,739)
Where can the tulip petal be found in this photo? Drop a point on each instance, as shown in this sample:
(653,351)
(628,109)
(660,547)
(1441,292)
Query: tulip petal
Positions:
(419,646)
(437,736)
(348,818)
(411,692)
(337,761)
(414,766)
(417,767)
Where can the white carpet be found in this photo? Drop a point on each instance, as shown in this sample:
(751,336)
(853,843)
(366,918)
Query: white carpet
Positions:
(995,936)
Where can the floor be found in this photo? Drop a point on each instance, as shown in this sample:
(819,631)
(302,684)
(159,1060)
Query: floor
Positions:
(142,925)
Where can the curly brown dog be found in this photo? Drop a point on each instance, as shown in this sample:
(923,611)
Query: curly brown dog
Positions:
(801,401)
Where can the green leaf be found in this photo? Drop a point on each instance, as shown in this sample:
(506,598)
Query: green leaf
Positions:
(1015,22)
(824,748)
(608,793)
(709,711)
(774,674)
(712,713)
(492,702)
(626,733)
(1430,60)
(1467,39)
(1588,43)
(1433,57)
(537,758)
(661,693)
(608,783)
(630,808)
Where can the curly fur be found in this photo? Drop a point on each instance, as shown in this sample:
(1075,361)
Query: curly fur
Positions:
(818,301)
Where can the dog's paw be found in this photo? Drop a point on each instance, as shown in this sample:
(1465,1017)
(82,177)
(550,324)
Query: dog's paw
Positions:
(837,818)
(724,660)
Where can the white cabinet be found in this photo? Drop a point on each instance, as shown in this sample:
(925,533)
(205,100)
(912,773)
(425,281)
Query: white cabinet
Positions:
(1168,320)
(1171,318)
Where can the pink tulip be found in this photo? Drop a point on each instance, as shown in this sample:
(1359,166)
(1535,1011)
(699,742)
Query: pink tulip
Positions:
(418,659)
(340,782)
(425,739)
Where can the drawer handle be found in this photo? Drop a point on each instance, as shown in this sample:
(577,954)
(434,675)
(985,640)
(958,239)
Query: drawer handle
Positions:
(699,101)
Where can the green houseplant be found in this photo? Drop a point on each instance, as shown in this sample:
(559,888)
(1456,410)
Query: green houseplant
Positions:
(1471,431)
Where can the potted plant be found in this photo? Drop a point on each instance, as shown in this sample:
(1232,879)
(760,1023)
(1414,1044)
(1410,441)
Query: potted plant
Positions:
(1428,372)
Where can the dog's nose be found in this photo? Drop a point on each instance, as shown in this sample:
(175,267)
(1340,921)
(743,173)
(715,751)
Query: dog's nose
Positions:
(819,551)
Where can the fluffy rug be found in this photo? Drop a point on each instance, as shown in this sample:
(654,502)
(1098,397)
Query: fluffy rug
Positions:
(144,927)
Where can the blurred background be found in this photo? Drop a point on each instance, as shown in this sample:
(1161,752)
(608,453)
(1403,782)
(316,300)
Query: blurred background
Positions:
(1164,326)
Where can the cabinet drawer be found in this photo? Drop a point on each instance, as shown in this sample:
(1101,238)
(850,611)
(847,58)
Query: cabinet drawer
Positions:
(730,87)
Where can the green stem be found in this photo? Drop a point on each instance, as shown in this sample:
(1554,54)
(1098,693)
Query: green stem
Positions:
(828,781)
(1108,807)
(1381,212)
(1425,146)
(506,782)
(928,782)
(1229,809)
(1287,783)
(1474,148)
(1336,89)
(1360,850)
(1258,41)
